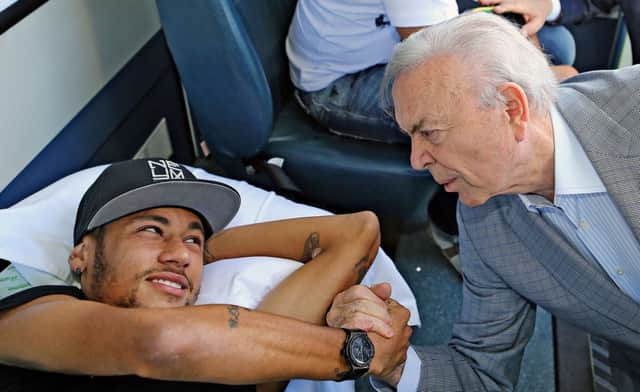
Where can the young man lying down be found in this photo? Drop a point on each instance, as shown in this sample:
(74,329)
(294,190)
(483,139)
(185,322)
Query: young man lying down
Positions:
(142,236)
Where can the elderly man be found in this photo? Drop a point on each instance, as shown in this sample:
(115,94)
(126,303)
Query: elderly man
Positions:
(142,233)
(548,178)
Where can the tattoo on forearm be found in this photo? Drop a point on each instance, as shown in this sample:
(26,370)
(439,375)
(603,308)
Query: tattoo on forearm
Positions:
(361,268)
(234,313)
(310,244)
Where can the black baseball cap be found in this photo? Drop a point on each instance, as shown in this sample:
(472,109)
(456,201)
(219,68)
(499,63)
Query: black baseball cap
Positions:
(131,186)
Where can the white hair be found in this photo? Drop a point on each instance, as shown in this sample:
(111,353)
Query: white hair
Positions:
(491,47)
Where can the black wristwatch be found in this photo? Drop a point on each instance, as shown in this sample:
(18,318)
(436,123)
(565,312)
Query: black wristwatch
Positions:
(358,351)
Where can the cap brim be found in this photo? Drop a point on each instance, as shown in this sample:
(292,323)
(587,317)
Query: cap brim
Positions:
(217,203)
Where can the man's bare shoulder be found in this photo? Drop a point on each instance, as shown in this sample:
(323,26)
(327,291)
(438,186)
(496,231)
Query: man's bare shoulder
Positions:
(46,299)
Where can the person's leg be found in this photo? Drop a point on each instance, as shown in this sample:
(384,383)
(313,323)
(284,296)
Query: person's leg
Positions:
(558,43)
(563,72)
(351,106)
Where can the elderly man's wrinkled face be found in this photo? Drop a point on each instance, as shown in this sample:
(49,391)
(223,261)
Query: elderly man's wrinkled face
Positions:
(467,147)
(152,258)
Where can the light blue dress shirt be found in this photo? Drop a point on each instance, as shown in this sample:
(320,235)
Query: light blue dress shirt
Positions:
(410,374)
(584,212)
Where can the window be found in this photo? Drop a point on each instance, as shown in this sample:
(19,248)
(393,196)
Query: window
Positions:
(13,11)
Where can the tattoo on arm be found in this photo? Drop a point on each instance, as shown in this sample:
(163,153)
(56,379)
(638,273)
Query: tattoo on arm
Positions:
(234,313)
(312,242)
(362,267)
(208,255)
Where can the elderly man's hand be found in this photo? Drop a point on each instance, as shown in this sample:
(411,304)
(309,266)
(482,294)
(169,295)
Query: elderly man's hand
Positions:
(363,308)
(373,310)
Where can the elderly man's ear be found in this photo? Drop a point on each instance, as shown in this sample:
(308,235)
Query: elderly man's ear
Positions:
(516,108)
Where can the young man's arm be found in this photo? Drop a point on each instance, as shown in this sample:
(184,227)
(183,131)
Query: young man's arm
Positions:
(216,343)
(338,262)
(295,238)
(338,250)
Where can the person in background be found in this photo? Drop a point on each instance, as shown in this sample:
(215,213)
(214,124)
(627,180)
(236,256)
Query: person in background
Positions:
(536,19)
(338,53)
(564,12)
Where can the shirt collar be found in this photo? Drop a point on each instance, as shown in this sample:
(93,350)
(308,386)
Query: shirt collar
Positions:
(573,171)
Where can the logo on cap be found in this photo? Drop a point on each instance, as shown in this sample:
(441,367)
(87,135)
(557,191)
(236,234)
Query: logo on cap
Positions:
(165,170)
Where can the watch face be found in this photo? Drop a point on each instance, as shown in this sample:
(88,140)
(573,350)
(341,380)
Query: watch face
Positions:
(361,350)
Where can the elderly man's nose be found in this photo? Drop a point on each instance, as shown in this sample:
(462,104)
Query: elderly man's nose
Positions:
(421,158)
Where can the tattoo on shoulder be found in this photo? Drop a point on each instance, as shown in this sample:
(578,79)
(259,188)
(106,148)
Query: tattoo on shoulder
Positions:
(310,244)
(234,313)
(361,267)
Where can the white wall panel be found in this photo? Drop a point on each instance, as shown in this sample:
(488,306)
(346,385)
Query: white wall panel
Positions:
(54,61)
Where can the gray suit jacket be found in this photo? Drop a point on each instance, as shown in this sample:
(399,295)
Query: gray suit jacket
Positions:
(512,259)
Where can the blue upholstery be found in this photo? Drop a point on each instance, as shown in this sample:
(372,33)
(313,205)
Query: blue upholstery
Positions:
(231,58)
(599,42)
(227,88)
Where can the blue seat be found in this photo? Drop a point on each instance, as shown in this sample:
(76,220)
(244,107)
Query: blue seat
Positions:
(231,58)
(599,42)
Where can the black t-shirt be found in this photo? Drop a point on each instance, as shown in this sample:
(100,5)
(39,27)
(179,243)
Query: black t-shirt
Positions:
(14,379)
(16,291)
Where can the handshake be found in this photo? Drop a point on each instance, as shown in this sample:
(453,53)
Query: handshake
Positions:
(385,320)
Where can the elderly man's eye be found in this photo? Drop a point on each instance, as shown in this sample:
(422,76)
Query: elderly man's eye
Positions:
(427,133)
(430,134)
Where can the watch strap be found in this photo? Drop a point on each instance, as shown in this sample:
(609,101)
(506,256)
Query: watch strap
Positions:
(353,372)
